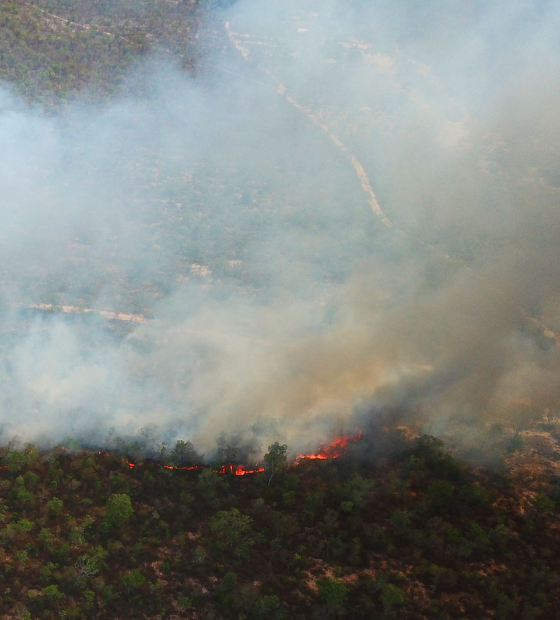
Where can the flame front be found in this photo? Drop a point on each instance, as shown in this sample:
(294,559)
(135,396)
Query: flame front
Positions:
(332,450)
(238,470)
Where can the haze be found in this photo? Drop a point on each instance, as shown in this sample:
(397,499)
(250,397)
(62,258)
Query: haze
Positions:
(352,209)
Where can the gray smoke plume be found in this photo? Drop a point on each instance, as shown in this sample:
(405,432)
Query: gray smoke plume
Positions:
(352,207)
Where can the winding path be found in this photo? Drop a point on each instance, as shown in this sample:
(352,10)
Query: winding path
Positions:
(359,170)
(367,187)
(282,90)
(106,314)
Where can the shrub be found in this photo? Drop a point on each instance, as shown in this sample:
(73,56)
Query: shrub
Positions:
(333,593)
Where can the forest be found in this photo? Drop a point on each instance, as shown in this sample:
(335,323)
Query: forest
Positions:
(415,532)
(53,49)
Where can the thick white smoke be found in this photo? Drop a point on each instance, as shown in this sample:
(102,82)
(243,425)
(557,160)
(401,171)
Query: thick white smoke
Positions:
(354,206)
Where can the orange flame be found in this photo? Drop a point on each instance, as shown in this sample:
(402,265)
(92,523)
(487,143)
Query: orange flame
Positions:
(188,468)
(331,450)
(241,471)
(238,470)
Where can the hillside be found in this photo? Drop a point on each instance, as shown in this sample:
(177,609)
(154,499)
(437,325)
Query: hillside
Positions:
(51,50)
(258,227)
(414,533)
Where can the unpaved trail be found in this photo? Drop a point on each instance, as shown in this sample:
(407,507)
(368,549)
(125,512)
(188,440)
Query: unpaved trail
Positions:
(367,187)
(72,23)
(89,27)
(106,314)
(127,317)
(282,90)
(359,171)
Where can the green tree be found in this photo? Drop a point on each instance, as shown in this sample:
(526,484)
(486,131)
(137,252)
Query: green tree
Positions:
(275,459)
(48,538)
(52,592)
(333,593)
(55,505)
(542,503)
(132,579)
(268,607)
(356,492)
(429,447)
(92,562)
(233,532)
(391,596)
(118,509)
(184,454)
(227,452)
(442,494)
(209,484)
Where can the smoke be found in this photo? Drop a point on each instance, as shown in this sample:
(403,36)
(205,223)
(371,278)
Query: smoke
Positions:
(352,208)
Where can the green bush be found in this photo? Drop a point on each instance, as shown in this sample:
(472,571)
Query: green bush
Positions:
(332,593)
(119,509)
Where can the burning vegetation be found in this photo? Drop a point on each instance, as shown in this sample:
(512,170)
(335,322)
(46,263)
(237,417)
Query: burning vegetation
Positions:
(332,450)
(220,259)
(413,531)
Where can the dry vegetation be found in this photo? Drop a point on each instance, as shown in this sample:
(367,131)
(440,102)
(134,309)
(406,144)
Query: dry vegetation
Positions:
(413,533)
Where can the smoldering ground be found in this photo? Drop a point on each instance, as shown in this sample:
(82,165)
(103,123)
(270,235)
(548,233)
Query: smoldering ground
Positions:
(232,211)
